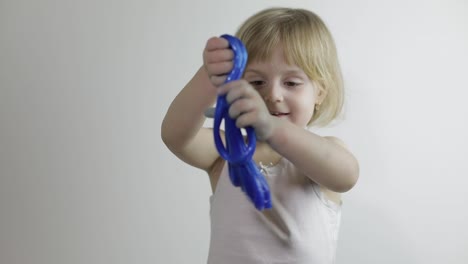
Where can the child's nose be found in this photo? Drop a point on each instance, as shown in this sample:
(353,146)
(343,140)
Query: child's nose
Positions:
(274,94)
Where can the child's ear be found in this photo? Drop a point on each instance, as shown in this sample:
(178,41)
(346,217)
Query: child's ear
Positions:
(320,93)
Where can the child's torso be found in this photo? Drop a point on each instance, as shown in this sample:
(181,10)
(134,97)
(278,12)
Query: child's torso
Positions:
(302,227)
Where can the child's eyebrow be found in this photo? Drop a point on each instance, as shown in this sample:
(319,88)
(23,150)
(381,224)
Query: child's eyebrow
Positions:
(294,72)
(254,71)
(286,72)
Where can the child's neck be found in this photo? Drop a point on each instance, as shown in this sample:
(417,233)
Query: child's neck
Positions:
(265,154)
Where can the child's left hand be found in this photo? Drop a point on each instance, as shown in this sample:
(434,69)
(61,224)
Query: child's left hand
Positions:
(248,108)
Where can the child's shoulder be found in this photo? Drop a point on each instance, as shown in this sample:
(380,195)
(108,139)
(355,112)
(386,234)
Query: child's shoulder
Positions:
(336,141)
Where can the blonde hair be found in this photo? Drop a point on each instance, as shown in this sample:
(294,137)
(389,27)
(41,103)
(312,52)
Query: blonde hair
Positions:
(307,43)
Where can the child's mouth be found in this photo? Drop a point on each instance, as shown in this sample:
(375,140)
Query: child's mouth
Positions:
(277,114)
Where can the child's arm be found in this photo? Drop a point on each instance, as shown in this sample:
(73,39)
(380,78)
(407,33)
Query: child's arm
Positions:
(324,159)
(182,129)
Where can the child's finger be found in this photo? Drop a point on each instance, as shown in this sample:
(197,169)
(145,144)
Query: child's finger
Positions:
(215,43)
(240,107)
(234,85)
(218,80)
(219,68)
(245,120)
(219,55)
(241,90)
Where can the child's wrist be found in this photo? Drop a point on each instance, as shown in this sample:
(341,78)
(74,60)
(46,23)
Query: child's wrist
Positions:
(276,133)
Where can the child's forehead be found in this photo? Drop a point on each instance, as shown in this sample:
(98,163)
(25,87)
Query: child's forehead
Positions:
(273,68)
(270,63)
(271,56)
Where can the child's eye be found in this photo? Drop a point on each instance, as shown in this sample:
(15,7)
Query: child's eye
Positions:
(292,84)
(257,83)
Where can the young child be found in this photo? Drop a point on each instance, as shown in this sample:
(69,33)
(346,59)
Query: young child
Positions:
(292,81)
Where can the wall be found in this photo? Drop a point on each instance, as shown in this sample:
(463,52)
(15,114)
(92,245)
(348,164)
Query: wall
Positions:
(84,85)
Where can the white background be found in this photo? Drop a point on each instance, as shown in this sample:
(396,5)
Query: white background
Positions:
(84,86)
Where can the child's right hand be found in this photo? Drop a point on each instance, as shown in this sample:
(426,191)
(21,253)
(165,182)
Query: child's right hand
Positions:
(217,60)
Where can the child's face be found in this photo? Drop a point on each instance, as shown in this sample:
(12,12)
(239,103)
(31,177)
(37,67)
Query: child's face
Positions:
(286,89)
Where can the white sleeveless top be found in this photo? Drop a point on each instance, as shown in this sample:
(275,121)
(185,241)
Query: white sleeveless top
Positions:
(301,228)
